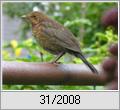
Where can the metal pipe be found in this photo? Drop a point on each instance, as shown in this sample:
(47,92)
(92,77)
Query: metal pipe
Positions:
(50,74)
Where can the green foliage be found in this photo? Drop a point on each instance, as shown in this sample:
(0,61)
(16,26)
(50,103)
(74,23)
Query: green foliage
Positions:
(83,19)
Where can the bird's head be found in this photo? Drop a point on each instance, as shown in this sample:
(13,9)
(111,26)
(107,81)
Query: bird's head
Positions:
(35,17)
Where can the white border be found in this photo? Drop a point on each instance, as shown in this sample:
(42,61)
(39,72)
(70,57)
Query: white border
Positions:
(118,45)
(59,90)
(62,1)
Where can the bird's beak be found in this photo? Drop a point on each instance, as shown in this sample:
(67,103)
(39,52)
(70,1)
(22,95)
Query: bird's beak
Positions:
(24,16)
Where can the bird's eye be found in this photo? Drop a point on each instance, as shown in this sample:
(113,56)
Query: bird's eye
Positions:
(34,16)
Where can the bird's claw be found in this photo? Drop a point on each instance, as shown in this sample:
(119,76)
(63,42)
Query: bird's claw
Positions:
(53,62)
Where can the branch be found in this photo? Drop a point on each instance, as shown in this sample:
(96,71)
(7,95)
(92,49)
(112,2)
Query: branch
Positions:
(50,74)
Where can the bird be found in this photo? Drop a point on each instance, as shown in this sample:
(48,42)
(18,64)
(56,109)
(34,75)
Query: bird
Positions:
(54,37)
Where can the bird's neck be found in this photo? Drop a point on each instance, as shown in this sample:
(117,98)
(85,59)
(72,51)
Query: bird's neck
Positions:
(35,24)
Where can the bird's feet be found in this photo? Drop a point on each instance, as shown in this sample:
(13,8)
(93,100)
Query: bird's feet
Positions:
(54,62)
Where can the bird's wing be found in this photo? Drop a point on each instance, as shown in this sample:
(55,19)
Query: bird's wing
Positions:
(63,37)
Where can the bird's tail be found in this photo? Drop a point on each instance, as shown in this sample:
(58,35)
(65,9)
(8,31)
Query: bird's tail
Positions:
(92,68)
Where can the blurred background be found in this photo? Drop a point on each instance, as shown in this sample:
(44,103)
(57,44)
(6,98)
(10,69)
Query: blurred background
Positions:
(82,18)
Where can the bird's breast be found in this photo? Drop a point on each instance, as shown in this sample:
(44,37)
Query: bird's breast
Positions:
(45,41)
(39,36)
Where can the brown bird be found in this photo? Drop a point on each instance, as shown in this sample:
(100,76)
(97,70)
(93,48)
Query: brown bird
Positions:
(54,37)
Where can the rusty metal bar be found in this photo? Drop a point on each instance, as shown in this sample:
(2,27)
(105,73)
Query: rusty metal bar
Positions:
(50,74)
